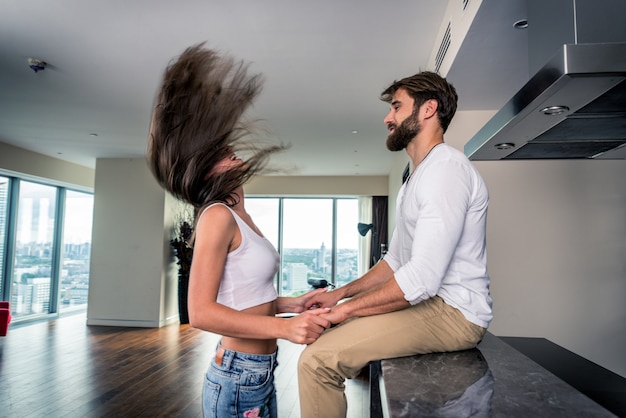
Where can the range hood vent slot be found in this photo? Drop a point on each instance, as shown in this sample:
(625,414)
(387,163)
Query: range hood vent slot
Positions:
(443,48)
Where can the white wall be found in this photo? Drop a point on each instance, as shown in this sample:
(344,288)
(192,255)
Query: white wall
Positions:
(556,248)
(131,282)
(318,185)
(41,167)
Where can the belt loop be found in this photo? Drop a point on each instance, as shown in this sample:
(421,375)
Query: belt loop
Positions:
(219,356)
(225,357)
(274,358)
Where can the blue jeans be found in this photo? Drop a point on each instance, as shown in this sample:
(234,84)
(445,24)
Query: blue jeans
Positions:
(240,385)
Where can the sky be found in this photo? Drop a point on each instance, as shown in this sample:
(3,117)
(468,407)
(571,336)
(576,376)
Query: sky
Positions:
(307,222)
(36,215)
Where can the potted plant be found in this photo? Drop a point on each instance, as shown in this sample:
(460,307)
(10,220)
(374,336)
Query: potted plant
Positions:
(183,252)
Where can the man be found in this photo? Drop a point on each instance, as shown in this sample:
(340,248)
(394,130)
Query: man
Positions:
(430,293)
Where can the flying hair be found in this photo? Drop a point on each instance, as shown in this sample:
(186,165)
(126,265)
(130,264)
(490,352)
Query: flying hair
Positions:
(197,121)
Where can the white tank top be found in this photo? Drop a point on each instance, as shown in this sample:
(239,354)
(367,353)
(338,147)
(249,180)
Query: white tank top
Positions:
(248,278)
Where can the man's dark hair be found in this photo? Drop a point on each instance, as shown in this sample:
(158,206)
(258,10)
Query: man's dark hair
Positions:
(424,86)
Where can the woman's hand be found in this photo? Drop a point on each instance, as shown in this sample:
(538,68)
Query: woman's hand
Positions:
(306,327)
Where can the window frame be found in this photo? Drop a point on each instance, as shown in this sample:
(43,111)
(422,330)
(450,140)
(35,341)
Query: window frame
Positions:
(279,281)
(10,242)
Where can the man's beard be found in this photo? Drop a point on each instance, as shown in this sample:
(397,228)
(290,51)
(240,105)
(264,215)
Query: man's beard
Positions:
(404,133)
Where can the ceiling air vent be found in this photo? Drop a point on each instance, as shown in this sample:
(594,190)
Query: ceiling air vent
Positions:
(465,3)
(443,49)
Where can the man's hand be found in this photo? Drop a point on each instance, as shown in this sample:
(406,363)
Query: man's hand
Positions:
(326,299)
(336,315)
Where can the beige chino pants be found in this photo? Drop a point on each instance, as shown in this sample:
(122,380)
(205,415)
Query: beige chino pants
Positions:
(341,352)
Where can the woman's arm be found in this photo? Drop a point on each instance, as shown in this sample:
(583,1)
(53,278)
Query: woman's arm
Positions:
(217,234)
(301,329)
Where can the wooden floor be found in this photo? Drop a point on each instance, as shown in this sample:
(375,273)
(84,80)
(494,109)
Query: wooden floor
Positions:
(64,368)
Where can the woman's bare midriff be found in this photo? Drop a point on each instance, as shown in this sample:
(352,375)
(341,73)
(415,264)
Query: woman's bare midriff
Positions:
(253,346)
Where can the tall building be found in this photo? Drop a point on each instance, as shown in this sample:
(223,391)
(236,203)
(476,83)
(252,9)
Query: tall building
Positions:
(297,274)
(320,262)
(31,296)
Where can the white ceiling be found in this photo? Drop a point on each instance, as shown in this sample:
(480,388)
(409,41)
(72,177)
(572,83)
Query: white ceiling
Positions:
(324,63)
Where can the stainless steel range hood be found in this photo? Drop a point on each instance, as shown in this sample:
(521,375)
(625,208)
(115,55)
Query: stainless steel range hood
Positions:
(574,107)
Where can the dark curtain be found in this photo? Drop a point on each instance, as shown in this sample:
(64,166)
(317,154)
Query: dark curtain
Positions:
(379,219)
(406,173)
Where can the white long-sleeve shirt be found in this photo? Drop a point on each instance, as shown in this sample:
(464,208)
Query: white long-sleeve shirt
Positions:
(439,244)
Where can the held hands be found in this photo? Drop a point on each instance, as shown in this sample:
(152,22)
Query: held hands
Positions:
(335,315)
(307,327)
(315,316)
(302,302)
(322,299)
(296,304)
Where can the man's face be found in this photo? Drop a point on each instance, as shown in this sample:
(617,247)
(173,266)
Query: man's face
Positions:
(402,121)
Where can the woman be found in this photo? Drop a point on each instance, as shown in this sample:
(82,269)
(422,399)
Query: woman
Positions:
(195,139)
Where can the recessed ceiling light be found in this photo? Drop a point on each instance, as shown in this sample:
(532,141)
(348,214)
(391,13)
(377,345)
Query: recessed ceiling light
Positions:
(355,132)
(554,110)
(521,24)
(93,134)
(505,145)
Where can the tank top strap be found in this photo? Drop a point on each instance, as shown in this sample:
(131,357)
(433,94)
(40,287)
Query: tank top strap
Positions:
(244,228)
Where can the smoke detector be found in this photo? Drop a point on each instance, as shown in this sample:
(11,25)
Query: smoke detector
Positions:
(37,64)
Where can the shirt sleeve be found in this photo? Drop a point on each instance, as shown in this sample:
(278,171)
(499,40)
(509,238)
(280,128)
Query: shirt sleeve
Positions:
(392,257)
(441,199)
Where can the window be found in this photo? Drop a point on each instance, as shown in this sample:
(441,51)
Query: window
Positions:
(316,237)
(4,193)
(45,246)
(307,248)
(32,265)
(347,241)
(264,212)
(74,279)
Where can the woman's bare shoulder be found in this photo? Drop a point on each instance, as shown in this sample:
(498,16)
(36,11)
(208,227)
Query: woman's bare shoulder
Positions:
(216,210)
(216,216)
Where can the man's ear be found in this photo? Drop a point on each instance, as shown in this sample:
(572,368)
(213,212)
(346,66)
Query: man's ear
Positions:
(430,108)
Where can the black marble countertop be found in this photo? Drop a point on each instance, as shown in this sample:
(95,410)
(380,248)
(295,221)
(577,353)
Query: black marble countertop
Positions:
(493,380)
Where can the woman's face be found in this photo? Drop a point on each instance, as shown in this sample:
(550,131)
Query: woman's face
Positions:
(227,163)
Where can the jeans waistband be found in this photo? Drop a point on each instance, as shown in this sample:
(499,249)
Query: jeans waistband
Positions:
(225,358)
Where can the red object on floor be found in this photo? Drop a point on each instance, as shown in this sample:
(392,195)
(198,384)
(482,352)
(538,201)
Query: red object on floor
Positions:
(5,318)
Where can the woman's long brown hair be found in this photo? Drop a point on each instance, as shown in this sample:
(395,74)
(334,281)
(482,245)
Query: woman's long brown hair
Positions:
(197,122)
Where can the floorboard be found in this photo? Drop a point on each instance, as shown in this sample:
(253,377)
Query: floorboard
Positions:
(66,369)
